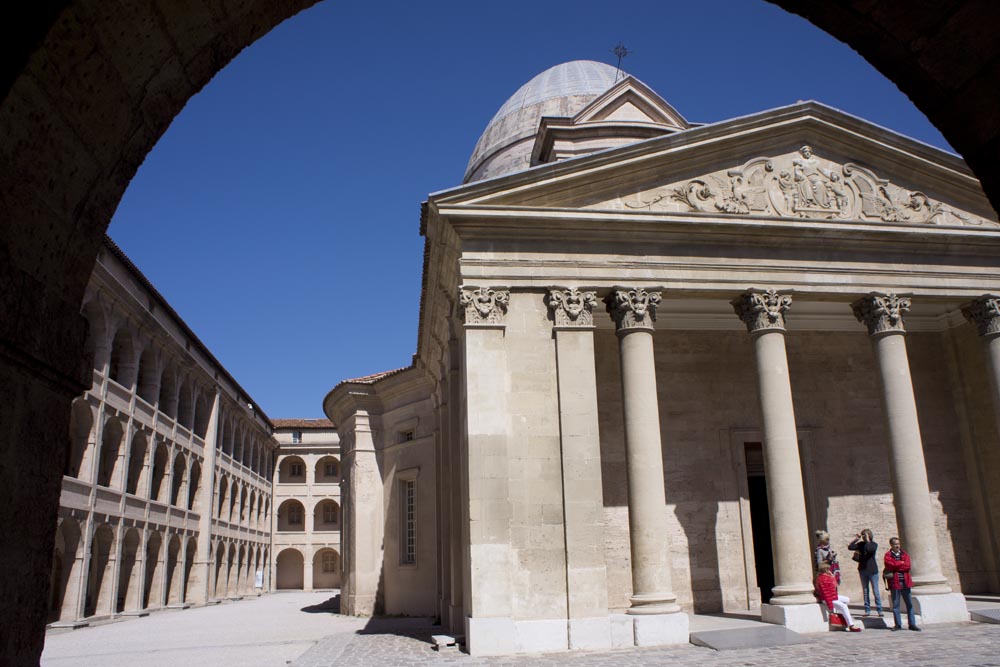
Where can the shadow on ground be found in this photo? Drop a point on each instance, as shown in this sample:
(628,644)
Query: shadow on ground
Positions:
(330,606)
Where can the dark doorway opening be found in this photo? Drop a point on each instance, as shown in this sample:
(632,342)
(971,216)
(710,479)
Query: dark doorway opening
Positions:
(760,519)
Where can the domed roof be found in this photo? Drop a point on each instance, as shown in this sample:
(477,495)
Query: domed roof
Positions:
(558,91)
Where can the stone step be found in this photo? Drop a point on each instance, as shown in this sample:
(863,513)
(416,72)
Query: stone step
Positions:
(732,639)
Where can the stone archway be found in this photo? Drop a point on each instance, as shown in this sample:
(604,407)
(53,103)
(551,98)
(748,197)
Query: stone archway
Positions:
(289,570)
(99,116)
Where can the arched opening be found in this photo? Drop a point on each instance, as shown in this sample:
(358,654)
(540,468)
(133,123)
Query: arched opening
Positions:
(223,490)
(66,580)
(328,470)
(326,515)
(185,404)
(124,359)
(111,440)
(292,470)
(189,556)
(194,481)
(149,375)
(203,411)
(96,346)
(250,509)
(167,400)
(136,463)
(102,565)
(220,571)
(128,584)
(234,496)
(326,569)
(152,595)
(290,569)
(231,571)
(81,427)
(243,505)
(291,517)
(173,582)
(227,438)
(160,461)
(177,479)
(241,571)
(238,446)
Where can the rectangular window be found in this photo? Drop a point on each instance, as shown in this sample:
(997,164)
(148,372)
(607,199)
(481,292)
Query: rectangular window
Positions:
(296,437)
(406,436)
(296,470)
(295,516)
(329,513)
(329,562)
(331,469)
(408,500)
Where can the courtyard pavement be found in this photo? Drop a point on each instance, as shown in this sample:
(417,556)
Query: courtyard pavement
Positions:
(272,630)
(302,629)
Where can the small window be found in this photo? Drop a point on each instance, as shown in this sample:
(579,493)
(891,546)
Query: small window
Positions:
(329,513)
(406,436)
(408,502)
(295,515)
(331,469)
(296,437)
(296,470)
(329,562)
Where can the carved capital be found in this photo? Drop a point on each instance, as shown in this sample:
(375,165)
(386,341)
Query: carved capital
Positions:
(483,305)
(881,313)
(632,308)
(984,312)
(762,311)
(570,307)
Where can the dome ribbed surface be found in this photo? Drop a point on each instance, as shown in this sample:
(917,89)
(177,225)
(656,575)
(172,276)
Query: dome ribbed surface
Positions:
(558,91)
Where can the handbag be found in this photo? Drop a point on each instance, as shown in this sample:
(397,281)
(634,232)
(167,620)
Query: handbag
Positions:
(856,556)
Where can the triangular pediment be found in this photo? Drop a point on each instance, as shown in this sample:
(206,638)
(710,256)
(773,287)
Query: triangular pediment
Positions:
(806,162)
(630,101)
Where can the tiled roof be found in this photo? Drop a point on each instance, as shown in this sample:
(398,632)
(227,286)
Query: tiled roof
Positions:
(372,379)
(302,423)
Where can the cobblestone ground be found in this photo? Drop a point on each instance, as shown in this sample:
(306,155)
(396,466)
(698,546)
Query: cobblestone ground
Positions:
(398,643)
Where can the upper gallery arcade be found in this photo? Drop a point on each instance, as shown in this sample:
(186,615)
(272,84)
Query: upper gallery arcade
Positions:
(654,355)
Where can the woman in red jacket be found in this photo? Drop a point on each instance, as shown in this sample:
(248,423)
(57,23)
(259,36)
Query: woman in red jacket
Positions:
(897,575)
(826,591)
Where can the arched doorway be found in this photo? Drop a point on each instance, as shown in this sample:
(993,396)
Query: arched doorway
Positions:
(67,563)
(102,566)
(290,568)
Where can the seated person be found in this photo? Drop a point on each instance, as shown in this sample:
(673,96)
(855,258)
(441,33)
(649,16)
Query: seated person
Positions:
(826,591)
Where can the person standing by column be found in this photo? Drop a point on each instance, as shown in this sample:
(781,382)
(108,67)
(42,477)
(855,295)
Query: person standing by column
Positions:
(897,571)
(865,550)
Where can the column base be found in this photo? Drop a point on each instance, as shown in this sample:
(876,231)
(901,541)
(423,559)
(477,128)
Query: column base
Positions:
(660,629)
(803,618)
(590,633)
(490,636)
(947,608)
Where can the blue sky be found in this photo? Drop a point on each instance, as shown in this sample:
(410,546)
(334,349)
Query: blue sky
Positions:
(279,214)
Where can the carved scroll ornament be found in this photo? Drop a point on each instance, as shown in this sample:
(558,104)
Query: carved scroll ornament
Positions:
(632,308)
(803,185)
(572,308)
(881,313)
(483,305)
(762,311)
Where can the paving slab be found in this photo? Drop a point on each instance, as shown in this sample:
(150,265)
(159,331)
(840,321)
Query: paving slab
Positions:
(986,615)
(734,639)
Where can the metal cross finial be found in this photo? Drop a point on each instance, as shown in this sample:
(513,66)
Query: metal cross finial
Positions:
(621,52)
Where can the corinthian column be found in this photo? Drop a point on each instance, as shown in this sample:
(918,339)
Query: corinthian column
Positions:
(883,315)
(634,313)
(764,316)
(984,313)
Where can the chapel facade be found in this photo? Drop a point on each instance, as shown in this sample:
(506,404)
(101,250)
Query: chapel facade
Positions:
(653,356)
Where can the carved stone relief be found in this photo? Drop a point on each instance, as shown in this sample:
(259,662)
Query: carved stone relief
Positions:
(881,313)
(802,185)
(483,305)
(632,308)
(571,307)
(761,311)
(984,313)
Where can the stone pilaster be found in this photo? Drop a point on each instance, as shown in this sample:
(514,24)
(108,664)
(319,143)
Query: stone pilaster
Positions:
(363,534)
(763,312)
(634,313)
(487,603)
(583,502)
(201,571)
(984,313)
(882,314)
